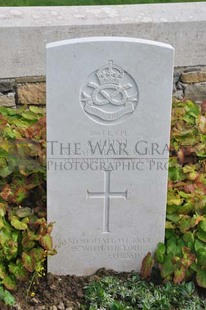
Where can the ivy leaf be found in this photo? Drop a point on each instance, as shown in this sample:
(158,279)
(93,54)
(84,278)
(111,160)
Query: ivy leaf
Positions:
(6,193)
(26,242)
(46,242)
(160,252)
(32,236)
(186,223)
(167,268)
(199,245)
(173,247)
(18,224)
(202,225)
(191,108)
(169,225)
(8,298)
(1,222)
(18,270)
(10,283)
(201,277)
(188,237)
(179,275)
(2,271)
(175,173)
(28,115)
(19,195)
(38,254)
(202,124)
(7,159)
(36,109)
(173,217)
(174,198)
(201,235)
(3,208)
(201,255)
(186,208)
(28,261)
(9,133)
(147,264)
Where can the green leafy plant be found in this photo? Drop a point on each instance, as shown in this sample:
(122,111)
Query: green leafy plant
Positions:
(5,296)
(183,256)
(133,293)
(25,236)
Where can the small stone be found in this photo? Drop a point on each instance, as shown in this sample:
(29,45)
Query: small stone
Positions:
(180,86)
(7,85)
(53,308)
(17,307)
(31,93)
(61,306)
(35,300)
(69,304)
(178,94)
(193,77)
(7,100)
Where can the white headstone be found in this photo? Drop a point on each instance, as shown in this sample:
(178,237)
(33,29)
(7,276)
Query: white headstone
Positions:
(108,114)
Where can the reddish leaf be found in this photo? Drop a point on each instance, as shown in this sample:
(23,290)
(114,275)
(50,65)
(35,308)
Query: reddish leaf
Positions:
(189,188)
(10,283)
(147,264)
(46,242)
(179,275)
(28,261)
(38,254)
(6,193)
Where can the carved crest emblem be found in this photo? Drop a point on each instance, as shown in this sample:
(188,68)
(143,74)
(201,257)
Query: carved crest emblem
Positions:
(109,95)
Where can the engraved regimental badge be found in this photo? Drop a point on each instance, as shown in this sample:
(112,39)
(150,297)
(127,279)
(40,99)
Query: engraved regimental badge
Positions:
(109,95)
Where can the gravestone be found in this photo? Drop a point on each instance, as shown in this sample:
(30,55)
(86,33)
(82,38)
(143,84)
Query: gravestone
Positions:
(108,118)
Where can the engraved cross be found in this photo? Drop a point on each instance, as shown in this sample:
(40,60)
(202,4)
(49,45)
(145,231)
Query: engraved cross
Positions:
(106,195)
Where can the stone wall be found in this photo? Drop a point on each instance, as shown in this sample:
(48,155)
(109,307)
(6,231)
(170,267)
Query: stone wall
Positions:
(23,91)
(189,83)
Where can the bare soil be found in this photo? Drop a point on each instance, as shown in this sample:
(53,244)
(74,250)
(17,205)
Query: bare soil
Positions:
(56,292)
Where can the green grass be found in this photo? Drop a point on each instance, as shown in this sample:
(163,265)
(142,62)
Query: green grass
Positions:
(82,2)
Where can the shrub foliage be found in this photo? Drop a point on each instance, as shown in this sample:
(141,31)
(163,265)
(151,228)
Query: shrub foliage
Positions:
(133,293)
(183,256)
(25,238)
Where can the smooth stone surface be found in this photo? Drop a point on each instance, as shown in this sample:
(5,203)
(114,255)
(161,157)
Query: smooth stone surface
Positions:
(108,153)
(24,31)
